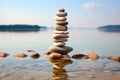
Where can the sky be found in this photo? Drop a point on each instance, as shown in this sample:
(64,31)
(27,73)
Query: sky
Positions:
(81,13)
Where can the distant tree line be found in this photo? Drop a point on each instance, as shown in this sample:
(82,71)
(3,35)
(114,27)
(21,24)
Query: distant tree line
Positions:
(18,27)
(115,28)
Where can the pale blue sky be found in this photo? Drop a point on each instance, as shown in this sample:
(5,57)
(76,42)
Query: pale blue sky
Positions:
(81,13)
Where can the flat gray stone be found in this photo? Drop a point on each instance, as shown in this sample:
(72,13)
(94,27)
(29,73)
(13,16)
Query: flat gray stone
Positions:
(61,32)
(56,36)
(61,10)
(61,23)
(61,14)
(61,28)
(62,50)
(59,44)
(60,18)
(60,40)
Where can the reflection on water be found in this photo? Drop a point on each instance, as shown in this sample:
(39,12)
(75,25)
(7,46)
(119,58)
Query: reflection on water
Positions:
(58,71)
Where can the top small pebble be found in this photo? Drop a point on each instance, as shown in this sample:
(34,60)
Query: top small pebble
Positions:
(61,10)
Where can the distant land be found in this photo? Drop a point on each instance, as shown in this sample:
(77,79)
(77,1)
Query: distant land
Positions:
(20,27)
(110,28)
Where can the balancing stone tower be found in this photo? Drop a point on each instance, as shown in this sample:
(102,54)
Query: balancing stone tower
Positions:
(60,34)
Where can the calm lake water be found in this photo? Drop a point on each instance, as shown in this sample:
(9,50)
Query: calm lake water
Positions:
(81,40)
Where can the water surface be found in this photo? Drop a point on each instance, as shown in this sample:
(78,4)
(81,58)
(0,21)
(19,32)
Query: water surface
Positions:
(83,41)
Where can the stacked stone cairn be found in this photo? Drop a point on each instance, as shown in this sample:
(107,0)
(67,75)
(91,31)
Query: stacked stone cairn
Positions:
(60,34)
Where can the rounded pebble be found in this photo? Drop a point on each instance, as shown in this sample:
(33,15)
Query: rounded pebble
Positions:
(114,58)
(60,40)
(93,56)
(55,56)
(61,23)
(20,55)
(63,50)
(61,32)
(61,10)
(3,54)
(60,18)
(56,36)
(61,28)
(35,55)
(59,44)
(61,14)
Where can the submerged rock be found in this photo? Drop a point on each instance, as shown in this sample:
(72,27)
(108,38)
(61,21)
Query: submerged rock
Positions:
(80,56)
(114,58)
(35,55)
(55,56)
(93,56)
(20,55)
(61,63)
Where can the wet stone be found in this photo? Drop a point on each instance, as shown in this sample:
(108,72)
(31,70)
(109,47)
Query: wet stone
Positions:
(80,56)
(47,53)
(3,54)
(114,58)
(93,56)
(35,55)
(20,55)
(62,50)
(55,56)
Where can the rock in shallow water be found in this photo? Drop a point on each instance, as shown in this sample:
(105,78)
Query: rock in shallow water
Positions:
(55,56)
(93,56)
(63,50)
(114,58)
(35,55)
(47,53)
(20,55)
(80,56)
(3,54)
